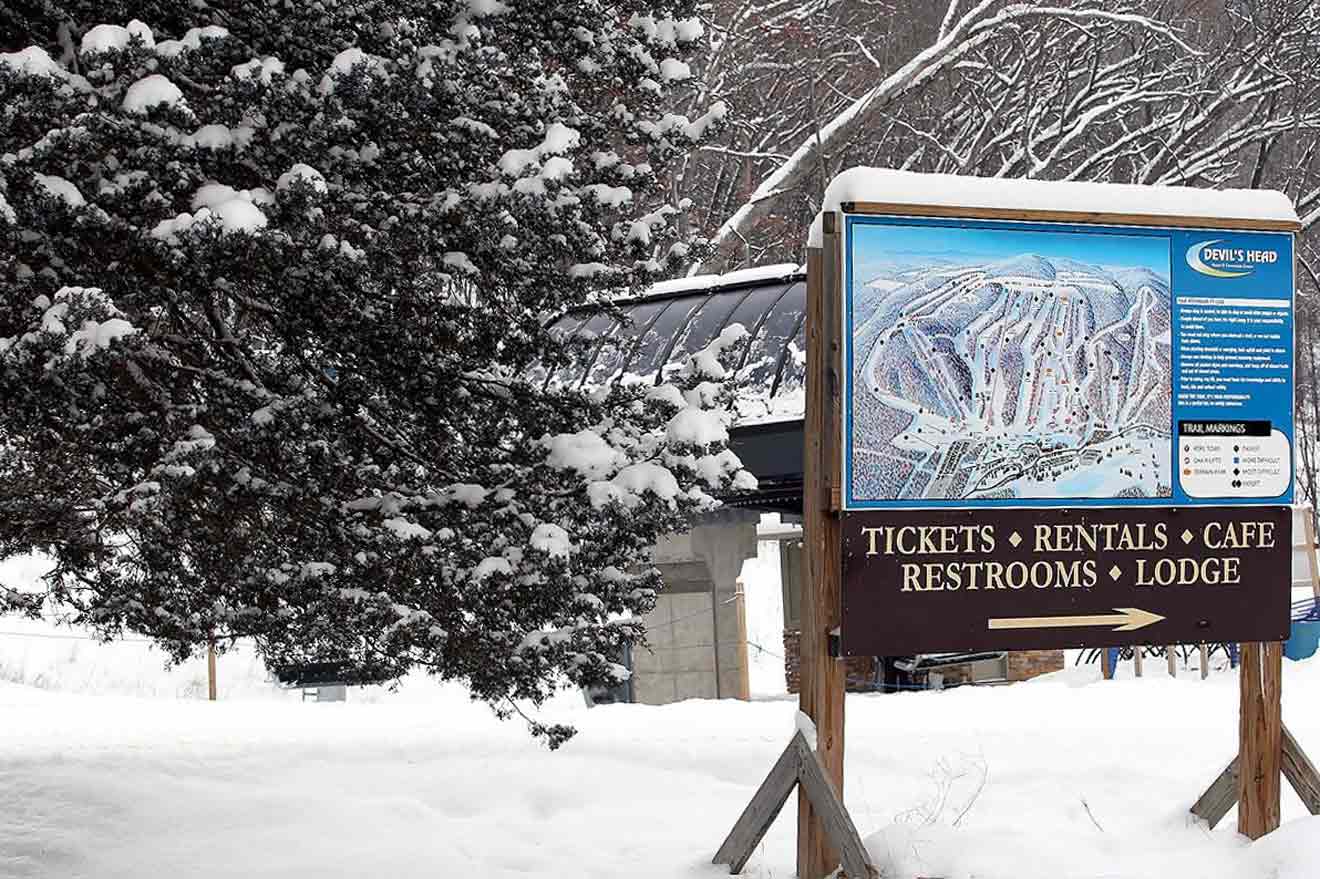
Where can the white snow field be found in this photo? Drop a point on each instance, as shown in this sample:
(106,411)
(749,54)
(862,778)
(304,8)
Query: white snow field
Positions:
(110,769)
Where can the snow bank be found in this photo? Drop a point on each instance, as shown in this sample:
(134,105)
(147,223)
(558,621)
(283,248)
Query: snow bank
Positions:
(1089,778)
(102,747)
(115,767)
(951,190)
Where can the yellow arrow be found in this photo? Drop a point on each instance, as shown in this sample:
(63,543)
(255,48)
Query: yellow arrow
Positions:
(1124,619)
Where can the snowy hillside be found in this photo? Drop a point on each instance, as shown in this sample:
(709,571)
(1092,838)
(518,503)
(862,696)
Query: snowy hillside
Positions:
(1024,377)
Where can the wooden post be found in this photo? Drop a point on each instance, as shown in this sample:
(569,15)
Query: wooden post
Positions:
(210,670)
(799,767)
(1301,773)
(1219,797)
(715,634)
(1260,739)
(1205,660)
(1310,552)
(1107,664)
(822,676)
(1136,659)
(745,679)
(1173,661)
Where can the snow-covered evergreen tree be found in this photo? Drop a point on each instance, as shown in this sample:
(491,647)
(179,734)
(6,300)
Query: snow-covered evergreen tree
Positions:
(272,278)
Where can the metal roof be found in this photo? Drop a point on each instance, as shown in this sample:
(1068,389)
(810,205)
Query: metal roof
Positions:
(658,331)
(677,318)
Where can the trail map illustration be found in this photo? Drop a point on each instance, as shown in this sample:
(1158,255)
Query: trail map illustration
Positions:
(993,363)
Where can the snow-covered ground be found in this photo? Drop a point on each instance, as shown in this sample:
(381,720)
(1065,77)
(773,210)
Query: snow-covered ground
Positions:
(112,766)
(107,771)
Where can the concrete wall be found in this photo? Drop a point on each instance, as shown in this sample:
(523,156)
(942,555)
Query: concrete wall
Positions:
(695,626)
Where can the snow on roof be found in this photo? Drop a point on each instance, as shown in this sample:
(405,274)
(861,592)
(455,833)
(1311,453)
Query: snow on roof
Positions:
(951,190)
(702,283)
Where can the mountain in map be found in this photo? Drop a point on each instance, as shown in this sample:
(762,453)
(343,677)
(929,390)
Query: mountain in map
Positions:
(1027,377)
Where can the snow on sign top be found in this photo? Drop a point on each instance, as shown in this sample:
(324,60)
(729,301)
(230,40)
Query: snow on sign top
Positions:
(953,191)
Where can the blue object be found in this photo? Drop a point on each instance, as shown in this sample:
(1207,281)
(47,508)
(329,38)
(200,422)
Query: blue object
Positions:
(1303,641)
(1304,636)
(1113,654)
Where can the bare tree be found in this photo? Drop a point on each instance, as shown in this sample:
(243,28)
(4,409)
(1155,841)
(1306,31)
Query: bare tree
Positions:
(1180,92)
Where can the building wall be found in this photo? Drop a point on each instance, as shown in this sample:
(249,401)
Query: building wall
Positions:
(861,670)
(1026,664)
(696,626)
(679,660)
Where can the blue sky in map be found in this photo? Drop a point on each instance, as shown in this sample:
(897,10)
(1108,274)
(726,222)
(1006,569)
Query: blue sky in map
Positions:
(877,247)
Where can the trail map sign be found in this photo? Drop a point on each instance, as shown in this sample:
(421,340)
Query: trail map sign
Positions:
(1029,364)
(1041,415)
(1058,434)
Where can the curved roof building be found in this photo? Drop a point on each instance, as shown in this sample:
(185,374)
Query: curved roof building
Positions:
(676,318)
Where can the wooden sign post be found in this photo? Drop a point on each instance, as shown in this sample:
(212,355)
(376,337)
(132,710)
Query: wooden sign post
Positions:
(822,674)
(826,835)
(1260,739)
(210,670)
(1266,749)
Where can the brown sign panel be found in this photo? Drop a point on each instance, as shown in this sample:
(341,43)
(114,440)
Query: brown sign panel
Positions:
(927,581)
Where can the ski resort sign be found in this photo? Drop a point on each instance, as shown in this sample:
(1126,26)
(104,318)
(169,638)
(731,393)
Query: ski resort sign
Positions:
(1012,363)
(923,581)
(1041,415)
(1062,428)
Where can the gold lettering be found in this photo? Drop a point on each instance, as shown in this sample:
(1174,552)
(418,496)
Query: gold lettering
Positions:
(1042,574)
(902,532)
(1043,539)
(1088,568)
(1087,536)
(927,544)
(1069,574)
(1266,535)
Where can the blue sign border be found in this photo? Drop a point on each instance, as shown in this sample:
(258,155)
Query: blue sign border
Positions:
(1191,285)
